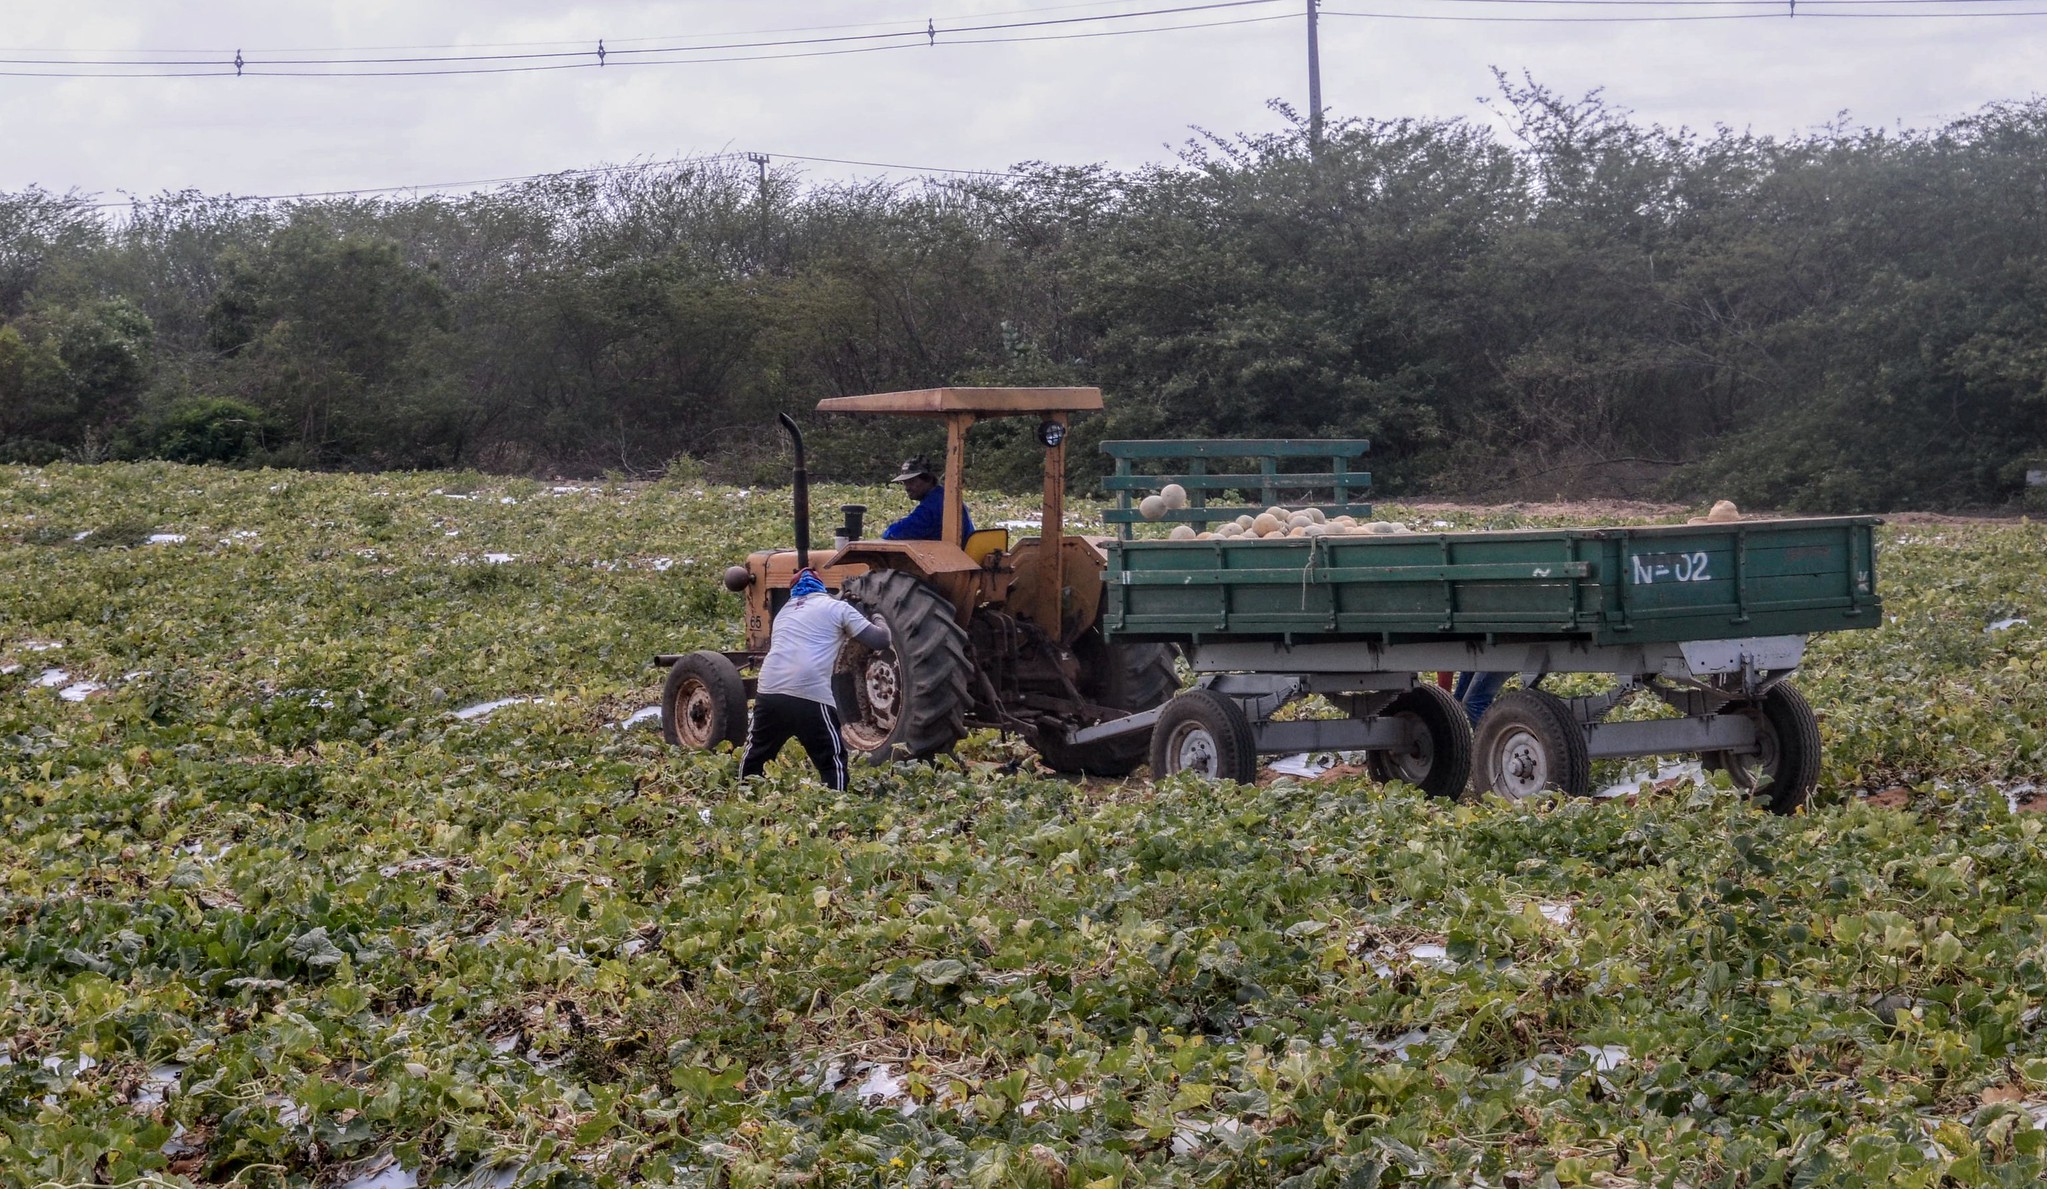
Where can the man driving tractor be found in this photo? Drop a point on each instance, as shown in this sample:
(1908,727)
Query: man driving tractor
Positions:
(925,521)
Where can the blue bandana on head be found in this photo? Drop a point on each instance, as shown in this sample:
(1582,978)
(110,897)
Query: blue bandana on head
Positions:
(807,583)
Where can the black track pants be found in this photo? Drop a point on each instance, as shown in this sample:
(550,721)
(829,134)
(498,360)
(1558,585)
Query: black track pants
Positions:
(777,718)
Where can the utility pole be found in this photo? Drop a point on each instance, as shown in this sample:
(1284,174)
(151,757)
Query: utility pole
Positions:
(760,161)
(1314,83)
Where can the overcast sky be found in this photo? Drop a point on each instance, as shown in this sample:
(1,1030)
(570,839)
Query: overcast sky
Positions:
(1124,100)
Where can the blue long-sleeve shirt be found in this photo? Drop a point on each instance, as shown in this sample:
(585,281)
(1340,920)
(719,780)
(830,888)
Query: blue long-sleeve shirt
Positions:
(926,521)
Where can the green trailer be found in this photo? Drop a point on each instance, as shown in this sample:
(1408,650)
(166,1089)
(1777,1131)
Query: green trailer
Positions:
(1709,618)
(1602,586)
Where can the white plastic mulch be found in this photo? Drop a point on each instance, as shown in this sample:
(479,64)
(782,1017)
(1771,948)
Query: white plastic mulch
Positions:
(485,709)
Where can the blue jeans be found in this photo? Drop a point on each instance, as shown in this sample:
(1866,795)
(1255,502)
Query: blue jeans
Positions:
(1477,691)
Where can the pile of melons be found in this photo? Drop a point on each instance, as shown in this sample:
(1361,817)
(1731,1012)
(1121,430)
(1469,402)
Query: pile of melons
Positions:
(1724,512)
(1274,522)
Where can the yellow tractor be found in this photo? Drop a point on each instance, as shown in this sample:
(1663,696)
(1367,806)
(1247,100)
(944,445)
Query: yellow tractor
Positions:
(988,631)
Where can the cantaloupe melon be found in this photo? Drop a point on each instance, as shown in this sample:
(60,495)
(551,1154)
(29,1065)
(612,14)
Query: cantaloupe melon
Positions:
(1181,532)
(1152,507)
(1265,524)
(1174,495)
(1723,512)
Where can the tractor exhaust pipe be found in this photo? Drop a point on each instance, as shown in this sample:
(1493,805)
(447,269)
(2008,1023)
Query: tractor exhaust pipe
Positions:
(801,481)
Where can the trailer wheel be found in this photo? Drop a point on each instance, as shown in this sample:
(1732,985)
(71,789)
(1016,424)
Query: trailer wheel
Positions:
(1125,677)
(1202,731)
(1529,741)
(1786,766)
(703,702)
(911,698)
(1439,761)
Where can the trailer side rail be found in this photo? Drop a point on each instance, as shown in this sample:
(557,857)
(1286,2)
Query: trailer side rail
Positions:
(1274,486)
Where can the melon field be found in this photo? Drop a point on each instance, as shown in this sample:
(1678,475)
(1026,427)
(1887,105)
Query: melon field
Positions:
(337,851)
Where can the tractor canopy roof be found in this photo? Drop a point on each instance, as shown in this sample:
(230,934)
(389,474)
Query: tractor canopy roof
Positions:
(982,402)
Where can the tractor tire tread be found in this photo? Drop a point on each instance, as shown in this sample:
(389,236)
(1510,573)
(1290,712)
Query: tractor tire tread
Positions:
(728,692)
(932,652)
(1236,745)
(1449,735)
(1138,677)
(1789,716)
(1571,765)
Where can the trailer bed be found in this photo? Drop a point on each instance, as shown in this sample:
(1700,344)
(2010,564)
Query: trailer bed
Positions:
(1606,586)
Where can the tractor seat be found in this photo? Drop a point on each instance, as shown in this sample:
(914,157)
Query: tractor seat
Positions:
(988,540)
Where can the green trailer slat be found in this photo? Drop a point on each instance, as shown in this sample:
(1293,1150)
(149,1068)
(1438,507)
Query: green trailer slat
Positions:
(1506,571)
(1238,448)
(1216,513)
(1237,482)
(1662,583)
(1185,462)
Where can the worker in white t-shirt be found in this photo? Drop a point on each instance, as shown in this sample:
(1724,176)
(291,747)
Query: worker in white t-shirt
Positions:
(795,692)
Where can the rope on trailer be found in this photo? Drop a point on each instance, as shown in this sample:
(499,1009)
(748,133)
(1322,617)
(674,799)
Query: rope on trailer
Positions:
(1314,543)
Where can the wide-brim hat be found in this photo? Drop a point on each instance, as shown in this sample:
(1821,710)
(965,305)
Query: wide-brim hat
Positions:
(915,468)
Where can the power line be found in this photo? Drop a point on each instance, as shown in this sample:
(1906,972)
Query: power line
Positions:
(1728,16)
(220,52)
(906,39)
(578,48)
(527,68)
(1284,16)
(929,33)
(985,173)
(529,177)
(582,57)
(1929,4)
(1738,3)
(1779,14)
(637,167)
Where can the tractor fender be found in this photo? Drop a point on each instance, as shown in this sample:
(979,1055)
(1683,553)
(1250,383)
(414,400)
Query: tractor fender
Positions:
(946,567)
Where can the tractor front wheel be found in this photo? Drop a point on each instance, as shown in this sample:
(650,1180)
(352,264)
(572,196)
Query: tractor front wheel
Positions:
(908,701)
(703,702)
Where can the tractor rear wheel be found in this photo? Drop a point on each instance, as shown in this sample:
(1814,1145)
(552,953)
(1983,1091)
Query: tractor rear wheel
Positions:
(703,702)
(910,699)
(1123,677)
